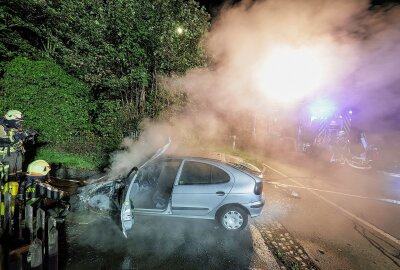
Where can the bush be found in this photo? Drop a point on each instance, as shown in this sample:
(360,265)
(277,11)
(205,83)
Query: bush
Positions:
(53,102)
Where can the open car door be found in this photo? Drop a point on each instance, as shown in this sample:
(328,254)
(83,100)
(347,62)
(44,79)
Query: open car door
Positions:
(127,219)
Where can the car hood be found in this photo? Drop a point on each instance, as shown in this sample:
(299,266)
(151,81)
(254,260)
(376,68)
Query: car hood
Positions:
(160,151)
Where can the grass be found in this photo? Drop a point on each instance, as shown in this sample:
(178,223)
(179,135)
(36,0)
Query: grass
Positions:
(280,255)
(77,161)
(295,266)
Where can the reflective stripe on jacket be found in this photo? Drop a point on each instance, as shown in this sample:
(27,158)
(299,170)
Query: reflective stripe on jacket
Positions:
(35,187)
(9,144)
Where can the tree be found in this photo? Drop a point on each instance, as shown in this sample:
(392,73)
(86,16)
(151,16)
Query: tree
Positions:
(112,50)
(18,36)
(119,46)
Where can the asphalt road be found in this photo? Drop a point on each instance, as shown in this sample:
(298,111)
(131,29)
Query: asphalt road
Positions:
(336,212)
(93,242)
(316,217)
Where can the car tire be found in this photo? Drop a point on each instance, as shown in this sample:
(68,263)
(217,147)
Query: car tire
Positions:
(233,218)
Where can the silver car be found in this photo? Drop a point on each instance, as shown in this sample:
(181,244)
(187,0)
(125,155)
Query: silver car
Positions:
(190,187)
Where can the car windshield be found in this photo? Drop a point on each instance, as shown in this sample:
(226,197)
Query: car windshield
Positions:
(153,184)
(150,174)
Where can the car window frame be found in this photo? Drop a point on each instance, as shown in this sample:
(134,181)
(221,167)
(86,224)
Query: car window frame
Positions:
(178,176)
(225,172)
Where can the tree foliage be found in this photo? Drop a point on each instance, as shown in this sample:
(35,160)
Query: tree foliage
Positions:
(121,44)
(57,105)
(18,36)
(112,50)
(116,46)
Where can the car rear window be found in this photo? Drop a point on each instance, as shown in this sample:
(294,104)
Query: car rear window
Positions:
(197,173)
(218,176)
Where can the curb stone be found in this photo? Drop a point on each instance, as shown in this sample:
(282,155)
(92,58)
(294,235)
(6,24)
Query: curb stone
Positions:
(264,259)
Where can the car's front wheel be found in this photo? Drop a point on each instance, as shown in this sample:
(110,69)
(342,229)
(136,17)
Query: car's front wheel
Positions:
(233,218)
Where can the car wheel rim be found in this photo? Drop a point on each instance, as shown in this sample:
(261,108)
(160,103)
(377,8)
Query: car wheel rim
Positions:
(232,220)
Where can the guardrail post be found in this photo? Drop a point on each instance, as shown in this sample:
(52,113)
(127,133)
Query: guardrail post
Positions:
(35,256)
(40,223)
(7,213)
(52,244)
(41,228)
(19,206)
(1,203)
(29,221)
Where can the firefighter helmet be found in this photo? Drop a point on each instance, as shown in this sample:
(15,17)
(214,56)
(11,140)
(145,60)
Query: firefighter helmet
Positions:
(38,168)
(14,115)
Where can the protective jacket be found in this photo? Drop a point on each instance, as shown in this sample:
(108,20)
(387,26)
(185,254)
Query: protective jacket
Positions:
(4,170)
(11,139)
(34,187)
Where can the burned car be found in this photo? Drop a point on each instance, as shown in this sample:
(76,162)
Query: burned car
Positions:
(187,187)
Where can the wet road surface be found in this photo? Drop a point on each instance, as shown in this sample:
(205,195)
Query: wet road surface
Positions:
(97,243)
(335,214)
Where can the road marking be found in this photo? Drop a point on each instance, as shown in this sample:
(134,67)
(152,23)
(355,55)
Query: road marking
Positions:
(360,220)
(389,201)
(334,192)
(316,189)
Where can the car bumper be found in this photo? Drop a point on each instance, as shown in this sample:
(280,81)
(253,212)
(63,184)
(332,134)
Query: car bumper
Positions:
(255,208)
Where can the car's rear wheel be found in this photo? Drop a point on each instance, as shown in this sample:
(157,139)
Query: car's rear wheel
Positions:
(233,218)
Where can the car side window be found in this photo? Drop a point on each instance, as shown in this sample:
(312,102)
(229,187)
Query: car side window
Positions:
(218,176)
(168,172)
(195,173)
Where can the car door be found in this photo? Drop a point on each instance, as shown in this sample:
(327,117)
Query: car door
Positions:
(200,188)
(127,219)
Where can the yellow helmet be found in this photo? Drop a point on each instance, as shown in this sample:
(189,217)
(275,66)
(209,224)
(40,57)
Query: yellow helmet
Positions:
(14,115)
(38,168)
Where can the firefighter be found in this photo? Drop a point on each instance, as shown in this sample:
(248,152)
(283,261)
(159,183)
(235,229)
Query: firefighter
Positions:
(38,191)
(12,138)
(339,147)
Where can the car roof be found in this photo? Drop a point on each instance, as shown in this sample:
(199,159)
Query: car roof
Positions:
(192,157)
(240,167)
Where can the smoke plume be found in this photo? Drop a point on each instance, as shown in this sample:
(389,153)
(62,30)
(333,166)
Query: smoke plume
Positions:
(272,54)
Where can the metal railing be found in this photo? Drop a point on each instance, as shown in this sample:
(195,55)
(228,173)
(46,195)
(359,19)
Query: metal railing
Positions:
(29,234)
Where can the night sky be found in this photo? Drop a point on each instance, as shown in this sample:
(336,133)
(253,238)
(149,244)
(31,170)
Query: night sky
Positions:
(213,6)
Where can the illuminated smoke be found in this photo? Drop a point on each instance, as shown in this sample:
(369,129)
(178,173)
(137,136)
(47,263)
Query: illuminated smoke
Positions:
(267,54)
(277,51)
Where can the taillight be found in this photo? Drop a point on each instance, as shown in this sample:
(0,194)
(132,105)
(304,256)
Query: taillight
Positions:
(258,189)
